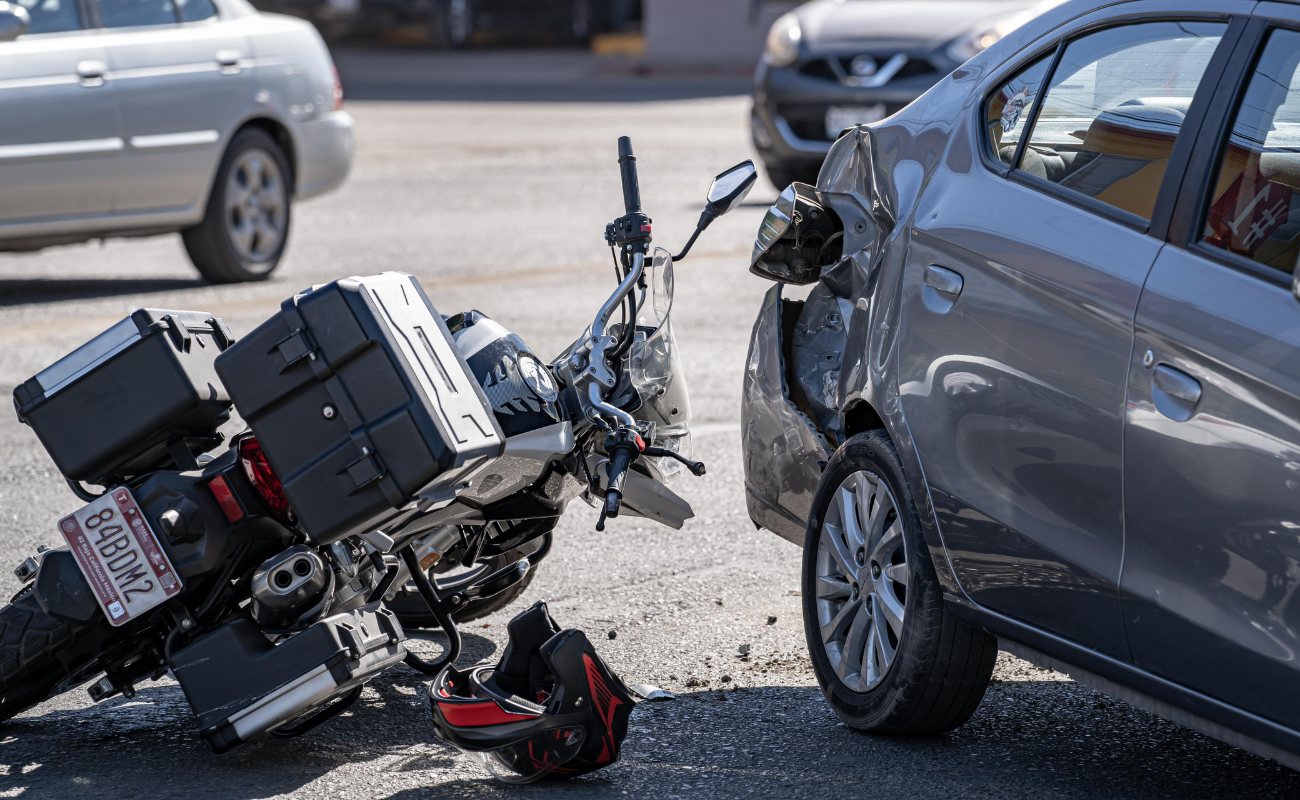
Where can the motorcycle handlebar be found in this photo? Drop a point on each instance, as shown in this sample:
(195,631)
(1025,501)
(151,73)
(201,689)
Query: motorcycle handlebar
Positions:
(627,166)
(618,465)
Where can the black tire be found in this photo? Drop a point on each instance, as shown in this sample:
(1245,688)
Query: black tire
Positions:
(941,664)
(212,245)
(29,637)
(782,177)
(413,613)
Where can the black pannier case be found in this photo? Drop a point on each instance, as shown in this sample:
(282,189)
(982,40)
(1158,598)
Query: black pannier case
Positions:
(126,401)
(361,402)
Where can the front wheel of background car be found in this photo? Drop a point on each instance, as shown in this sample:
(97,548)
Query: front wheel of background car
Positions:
(246,224)
(889,656)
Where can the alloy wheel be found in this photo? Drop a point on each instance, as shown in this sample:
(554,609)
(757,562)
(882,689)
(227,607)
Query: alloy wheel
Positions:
(862,576)
(256,206)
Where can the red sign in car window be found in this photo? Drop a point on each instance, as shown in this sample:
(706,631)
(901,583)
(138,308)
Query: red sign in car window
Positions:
(1248,213)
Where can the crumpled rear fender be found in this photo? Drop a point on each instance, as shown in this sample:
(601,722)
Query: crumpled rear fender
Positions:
(784,452)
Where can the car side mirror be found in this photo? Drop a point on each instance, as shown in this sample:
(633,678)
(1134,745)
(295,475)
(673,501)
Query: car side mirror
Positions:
(726,192)
(14,21)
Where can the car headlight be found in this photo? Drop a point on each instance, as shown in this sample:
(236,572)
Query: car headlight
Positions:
(783,41)
(983,37)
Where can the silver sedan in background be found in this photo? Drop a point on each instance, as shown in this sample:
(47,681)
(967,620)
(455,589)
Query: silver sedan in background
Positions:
(141,117)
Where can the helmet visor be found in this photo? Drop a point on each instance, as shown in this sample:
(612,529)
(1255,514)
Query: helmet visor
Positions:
(533,758)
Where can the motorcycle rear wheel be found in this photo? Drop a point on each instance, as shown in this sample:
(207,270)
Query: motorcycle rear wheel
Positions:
(29,638)
(412,612)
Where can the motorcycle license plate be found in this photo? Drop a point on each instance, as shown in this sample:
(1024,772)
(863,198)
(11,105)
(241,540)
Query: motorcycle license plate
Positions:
(120,556)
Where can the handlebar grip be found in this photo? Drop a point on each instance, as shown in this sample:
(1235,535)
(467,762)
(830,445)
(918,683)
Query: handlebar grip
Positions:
(627,166)
(617,475)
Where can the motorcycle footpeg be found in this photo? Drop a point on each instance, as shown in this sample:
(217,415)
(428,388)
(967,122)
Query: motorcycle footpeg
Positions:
(241,686)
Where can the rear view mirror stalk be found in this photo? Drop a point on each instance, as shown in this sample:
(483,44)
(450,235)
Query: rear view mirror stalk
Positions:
(726,192)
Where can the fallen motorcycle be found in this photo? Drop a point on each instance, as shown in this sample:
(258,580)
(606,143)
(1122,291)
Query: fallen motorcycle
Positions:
(387,446)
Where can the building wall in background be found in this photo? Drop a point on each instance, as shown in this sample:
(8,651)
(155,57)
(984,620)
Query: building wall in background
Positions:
(727,34)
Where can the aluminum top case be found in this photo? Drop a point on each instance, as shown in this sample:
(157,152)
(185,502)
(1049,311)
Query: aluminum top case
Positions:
(362,403)
(142,395)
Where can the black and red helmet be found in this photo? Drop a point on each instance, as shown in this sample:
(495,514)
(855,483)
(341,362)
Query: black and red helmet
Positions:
(550,708)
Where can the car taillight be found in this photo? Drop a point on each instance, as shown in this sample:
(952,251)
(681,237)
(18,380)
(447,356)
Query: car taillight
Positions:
(338,91)
(264,480)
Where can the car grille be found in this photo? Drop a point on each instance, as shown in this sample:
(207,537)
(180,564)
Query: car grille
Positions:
(839,68)
(808,120)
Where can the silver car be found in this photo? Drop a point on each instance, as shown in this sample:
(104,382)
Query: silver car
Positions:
(141,117)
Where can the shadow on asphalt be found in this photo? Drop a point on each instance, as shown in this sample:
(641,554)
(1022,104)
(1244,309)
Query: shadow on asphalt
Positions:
(416,74)
(628,90)
(20,292)
(147,747)
(1028,739)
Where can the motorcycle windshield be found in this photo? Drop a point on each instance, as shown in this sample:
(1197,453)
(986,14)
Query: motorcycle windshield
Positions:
(654,363)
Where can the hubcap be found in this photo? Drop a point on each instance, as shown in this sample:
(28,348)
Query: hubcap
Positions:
(862,602)
(255,206)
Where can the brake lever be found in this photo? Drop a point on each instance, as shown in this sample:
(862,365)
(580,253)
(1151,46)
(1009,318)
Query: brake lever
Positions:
(696,467)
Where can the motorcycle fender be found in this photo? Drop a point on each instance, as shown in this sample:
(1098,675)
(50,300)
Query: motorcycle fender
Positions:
(644,496)
(61,589)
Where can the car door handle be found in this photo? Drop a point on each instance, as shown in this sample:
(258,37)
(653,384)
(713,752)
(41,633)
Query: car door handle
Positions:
(1175,392)
(228,61)
(944,281)
(92,72)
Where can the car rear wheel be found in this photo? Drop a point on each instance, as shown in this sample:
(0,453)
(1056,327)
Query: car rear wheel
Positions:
(889,656)
(246,225)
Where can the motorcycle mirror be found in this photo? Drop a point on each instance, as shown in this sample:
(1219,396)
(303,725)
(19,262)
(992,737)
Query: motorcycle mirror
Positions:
(14,21)
(731,187)
(726,192)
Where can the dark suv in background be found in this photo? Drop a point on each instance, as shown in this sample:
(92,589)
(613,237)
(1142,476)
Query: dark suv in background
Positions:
(832,64)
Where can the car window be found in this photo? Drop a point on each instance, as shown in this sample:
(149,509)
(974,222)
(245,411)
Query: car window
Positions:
(1114,107)
(1007,110)
(134,13)
(51,16)
(1254,210)
(195,10)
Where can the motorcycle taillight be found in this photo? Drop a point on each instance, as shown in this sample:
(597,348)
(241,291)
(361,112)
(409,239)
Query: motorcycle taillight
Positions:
(263,478)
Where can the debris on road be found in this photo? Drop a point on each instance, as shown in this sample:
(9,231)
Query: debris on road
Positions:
(743,649)
(613,634)
(771,621)
(647,691)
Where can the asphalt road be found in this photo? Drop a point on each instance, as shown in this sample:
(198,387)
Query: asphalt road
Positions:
(491,179)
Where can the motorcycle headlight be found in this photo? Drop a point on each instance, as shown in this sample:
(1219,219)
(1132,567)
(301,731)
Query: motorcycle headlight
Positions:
(983,37)
(783,41)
